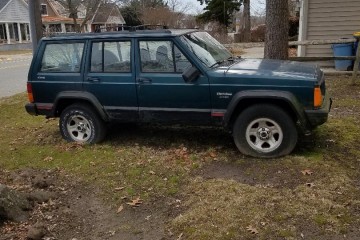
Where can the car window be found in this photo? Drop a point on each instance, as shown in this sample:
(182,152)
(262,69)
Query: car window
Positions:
(181,62)
(63,58)
(156,56)
(162,56)
(111,57)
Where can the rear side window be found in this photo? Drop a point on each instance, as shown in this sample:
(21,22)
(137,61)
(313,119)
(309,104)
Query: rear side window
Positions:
(111,57)
(62,58)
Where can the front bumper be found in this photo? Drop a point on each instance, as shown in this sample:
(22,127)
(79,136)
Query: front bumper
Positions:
(319,116)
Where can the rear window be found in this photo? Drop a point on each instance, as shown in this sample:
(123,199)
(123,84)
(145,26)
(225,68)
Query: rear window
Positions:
(62,58)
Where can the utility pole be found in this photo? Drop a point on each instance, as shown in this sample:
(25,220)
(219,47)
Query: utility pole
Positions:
(35,22)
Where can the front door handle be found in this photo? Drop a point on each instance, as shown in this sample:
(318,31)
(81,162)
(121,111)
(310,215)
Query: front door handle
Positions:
(144,80)
(93,79)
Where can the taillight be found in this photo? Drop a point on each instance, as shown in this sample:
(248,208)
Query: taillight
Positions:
(30,93)
(318,98)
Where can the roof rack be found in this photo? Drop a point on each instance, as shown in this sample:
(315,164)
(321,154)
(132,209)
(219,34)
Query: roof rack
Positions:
(146,28)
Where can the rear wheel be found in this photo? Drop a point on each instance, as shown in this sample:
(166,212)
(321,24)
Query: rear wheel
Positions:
(80,123)
(265,131)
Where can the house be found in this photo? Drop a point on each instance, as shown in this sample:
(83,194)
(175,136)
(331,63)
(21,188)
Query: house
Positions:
(107,16)
(327,20)
(55,17)
(14,22)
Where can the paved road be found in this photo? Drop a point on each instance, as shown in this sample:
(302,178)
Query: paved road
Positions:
(13,74)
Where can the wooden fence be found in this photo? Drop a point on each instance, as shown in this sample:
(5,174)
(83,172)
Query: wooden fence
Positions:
(312,59)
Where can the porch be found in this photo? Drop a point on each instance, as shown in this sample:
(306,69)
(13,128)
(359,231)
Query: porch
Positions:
(11,33)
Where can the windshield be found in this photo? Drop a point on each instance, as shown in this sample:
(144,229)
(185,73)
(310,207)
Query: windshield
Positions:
(206,48)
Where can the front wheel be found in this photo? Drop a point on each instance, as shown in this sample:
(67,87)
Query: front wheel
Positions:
(80,123)
(265,131)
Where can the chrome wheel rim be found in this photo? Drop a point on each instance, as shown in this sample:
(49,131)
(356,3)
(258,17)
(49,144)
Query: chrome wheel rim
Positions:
(264,135)
(79,128)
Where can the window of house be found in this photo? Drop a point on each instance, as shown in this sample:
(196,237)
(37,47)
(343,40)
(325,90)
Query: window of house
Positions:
(43,10)
(62,58)
(162,56)
(111,57)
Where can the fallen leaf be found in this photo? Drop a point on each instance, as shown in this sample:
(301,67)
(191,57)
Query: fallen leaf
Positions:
(213,154)
(252,229)
(119,188)
(310,185)
(307,172)
(48,159)
(120,209)
(135,202)
(180,236)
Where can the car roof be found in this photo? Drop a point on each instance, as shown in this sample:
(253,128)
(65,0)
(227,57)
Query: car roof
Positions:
(122,34)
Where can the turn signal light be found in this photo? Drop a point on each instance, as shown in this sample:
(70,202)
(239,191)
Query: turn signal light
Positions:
(30,93)
(318,99)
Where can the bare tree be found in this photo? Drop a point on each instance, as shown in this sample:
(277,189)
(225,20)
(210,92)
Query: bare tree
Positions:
(277,29)
(74,7)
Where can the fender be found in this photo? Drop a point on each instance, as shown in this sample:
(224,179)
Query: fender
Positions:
(77,95)
(266,94)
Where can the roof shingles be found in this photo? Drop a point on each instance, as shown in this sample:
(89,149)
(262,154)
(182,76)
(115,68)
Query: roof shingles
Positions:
(3,3)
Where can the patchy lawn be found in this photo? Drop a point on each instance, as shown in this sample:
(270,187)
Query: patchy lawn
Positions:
(192,181)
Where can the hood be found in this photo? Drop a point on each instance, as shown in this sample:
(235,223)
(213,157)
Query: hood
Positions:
(275,68)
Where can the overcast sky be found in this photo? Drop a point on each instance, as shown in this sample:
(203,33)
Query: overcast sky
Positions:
(257,6)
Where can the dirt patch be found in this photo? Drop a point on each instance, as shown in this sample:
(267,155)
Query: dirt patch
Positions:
(80,211)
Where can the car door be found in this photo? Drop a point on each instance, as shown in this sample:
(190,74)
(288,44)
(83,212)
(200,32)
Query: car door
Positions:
(109,77)
(58,68)
(163,95)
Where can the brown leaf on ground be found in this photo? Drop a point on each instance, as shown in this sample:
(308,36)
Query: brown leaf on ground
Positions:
(307,172)
(48,159)
(120,209)
(252,229)
(135,202)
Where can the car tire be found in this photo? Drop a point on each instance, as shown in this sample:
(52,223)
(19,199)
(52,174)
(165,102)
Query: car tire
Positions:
(265,131)
(81,123)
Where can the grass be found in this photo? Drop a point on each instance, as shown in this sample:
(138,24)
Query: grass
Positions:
(272,196)
(14,52)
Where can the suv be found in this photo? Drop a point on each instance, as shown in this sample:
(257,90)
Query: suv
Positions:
(174,77)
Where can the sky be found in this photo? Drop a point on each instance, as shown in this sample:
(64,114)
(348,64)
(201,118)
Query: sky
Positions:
(257,6)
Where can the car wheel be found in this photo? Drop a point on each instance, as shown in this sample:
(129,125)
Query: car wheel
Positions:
(80,123)
(265,131)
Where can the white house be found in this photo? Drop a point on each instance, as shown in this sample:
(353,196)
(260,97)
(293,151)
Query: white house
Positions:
(327,20)
(14,21)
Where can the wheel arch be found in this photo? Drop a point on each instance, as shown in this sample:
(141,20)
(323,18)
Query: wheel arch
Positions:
(65,99)
(286,100)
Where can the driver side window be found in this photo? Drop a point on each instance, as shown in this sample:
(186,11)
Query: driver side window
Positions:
(162,57)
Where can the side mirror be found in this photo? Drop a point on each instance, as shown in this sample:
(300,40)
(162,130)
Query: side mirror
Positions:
(191,74)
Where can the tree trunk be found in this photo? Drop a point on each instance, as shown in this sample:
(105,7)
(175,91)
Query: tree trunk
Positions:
(246,22)
(277,29)
(36,27)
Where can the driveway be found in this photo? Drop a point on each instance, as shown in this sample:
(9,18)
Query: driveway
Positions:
(13,74)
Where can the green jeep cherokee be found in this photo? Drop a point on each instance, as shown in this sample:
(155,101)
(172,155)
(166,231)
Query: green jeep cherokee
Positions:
(174,77)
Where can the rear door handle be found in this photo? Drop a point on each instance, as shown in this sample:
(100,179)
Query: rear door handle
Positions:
(144,80)
(93,79)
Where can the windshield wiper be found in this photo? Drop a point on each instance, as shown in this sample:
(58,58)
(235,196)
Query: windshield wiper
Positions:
(217,63)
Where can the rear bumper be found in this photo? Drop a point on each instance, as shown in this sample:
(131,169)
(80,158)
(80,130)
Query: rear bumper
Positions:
(319,116)
(31,109)
(36,109)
